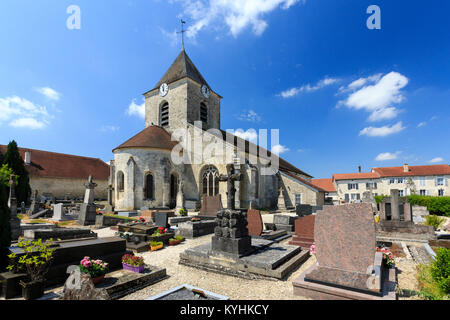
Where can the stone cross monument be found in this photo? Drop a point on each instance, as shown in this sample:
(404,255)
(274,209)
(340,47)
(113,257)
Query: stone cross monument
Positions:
(89,194)
(230,178)
(88,210)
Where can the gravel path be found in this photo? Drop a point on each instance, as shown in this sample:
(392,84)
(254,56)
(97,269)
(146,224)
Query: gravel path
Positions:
(233,287)
(242,289)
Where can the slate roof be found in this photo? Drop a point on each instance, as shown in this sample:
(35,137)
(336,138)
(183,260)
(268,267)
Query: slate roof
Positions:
(326,184)
(431,170)
(182,67)
(151,137)
(58,165)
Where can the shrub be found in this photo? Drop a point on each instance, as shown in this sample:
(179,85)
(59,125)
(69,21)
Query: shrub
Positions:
(182,212)
(16,163)
(434,221)
(429,289)
(380,198)
(440,269)
(36,260)
(436,205)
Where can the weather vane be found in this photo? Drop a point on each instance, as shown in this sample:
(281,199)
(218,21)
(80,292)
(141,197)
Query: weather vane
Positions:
(182,32)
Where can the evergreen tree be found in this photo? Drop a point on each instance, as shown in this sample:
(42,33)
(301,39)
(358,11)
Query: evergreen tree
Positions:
(2,157)
(5,227)
(16,163)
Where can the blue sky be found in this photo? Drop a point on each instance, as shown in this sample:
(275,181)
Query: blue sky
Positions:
(340,94)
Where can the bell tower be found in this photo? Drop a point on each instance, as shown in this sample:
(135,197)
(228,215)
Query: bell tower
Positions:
(182,96)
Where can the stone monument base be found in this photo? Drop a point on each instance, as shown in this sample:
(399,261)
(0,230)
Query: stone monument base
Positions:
(406,230)
(192,230)
(267,260)
(324,291)
(88,214)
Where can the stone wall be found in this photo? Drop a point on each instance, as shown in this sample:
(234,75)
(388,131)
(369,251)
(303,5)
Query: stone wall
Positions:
(292,186)
(73,188)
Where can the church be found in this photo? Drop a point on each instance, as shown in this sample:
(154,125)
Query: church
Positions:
(146,175)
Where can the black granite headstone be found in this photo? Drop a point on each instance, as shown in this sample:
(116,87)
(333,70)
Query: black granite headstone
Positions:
(162,219)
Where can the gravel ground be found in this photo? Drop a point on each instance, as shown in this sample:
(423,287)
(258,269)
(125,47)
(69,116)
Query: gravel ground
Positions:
(242,289)
(233,287)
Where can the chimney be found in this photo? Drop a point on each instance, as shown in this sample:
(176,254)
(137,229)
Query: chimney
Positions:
(359,168)
(405,168)
(28,157)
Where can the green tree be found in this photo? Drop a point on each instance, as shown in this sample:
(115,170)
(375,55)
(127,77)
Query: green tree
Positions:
(2,157)
(16,163)
(5,227)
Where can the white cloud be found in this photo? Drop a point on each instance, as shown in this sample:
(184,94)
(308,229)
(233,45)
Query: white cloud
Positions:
(49,93)
(308,88)
(387,156)
(250,116)
(422,124)
(436,160)
(171,36)
(384,114)
(376,94)
(22,113)
(136,109)
(279,149)
(109,128)
(235,15)
(29,123)
(382,131)
(249,135)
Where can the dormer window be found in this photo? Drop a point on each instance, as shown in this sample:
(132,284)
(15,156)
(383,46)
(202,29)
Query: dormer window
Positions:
(203,113)
(164,115)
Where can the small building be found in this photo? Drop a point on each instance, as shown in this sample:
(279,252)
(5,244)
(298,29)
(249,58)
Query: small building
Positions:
(63,175)
(427,180)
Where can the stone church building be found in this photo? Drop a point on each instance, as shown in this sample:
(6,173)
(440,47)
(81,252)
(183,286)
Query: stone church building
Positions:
(144,174)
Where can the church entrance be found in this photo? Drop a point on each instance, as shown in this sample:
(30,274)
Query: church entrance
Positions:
(173,191)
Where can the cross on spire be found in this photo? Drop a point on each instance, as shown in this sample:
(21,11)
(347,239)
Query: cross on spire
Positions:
(182,32)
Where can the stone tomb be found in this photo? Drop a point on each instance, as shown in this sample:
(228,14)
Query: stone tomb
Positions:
(284,222)
(347,265)
(191,229)
(59,234)
(304,232)
(256,227)
(59,213)
(232,251)
(396,221)
(211,205)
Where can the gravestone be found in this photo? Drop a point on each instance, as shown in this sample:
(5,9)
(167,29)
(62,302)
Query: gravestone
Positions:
(12,202)
(211,205)
(304,232)
(284,222)
(35,204)
(303,210)
(347,265)
(255,223)
(88,210)
(369,198)
(162,219)
(59,213)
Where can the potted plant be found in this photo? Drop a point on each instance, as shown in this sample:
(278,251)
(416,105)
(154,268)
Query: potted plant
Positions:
(155,245)
(133,263)
(160,231)
(182,212)
(36,261)
(95,268)
(174,242)
(142,219)
(180,238)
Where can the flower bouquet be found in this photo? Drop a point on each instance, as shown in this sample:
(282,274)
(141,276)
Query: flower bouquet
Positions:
(133,263)
(160,231)
(388,257)
(95,268)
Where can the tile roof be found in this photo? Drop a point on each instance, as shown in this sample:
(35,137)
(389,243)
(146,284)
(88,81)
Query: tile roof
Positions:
(151,137)
(325,184)
(58,165)
(355,176)
(430,170)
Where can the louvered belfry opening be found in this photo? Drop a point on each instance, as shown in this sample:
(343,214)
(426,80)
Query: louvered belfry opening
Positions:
(164,115)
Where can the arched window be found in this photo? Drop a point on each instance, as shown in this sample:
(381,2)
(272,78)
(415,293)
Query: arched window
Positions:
(203,113)
(120,181)
(210,181)
(149,187)
(164,115)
